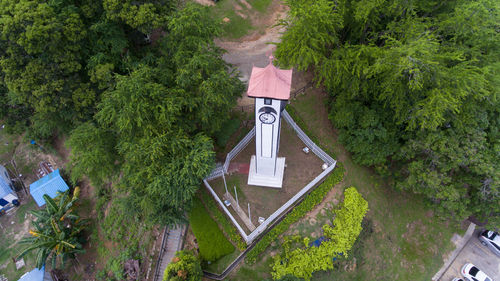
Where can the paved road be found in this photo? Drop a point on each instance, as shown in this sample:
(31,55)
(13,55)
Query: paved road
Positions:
(476,254)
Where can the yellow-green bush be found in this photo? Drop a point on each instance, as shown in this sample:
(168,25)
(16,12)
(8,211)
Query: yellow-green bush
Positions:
(311,200)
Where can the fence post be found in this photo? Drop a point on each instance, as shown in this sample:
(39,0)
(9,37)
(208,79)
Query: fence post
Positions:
(236,193)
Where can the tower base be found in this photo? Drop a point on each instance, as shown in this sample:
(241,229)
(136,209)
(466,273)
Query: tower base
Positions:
(275,181)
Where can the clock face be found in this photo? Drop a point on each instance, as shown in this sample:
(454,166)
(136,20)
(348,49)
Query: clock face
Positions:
(267,118)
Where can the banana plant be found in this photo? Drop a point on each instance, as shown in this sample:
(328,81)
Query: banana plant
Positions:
(57,231)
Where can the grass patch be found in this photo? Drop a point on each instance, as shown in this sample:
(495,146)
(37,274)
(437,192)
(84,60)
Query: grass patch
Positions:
(211,241)
(260,5)
(219,265)
(11,232)
(237,26)
(23,209)
(221,219)
(258,271)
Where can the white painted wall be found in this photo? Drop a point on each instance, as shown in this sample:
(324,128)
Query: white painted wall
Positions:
(267,137)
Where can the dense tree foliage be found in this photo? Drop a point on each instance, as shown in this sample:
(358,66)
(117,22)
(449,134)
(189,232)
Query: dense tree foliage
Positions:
(154,124)
(42,53)
(57,230)
(140,112)
(143,15)
(340,237)
(184,266)
(140,87)
(414,91)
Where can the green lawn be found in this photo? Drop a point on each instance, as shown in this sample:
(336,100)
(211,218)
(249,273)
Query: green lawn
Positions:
(211,241)
(406,241)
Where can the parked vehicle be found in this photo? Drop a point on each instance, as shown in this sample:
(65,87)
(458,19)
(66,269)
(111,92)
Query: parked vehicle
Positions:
(472,273)
(491,240)
(457,279)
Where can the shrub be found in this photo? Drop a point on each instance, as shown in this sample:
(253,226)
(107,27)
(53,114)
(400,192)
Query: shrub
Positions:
(305,260)
(310,201)
(185,266)
(211,241)
(221,219)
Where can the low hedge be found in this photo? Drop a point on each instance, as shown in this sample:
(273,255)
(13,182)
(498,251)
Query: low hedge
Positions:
(211,241)
(311,201)
(221,219)
(293,112)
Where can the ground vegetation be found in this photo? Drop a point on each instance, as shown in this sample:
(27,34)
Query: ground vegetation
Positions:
(212,243)
(184,266)
(311,200)
(338,241)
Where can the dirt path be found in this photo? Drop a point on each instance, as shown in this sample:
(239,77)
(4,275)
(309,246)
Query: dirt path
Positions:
(254,49)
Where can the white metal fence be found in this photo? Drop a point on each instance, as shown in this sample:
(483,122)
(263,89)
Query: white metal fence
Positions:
(217,172)
(307,141)
(222,169)
(238,148)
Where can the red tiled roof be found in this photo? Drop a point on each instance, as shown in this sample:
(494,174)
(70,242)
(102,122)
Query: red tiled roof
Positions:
(270,82)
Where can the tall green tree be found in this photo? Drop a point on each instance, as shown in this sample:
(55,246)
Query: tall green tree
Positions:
(145,15)
(414,92)
(43,45)
(161,116)
(95,154)
(57,231)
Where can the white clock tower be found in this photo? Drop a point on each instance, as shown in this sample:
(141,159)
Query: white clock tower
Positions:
(270,87)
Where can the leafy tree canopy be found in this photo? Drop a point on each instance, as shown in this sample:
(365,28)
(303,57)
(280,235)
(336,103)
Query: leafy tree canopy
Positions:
(414,91)
(144,15)
(155,123)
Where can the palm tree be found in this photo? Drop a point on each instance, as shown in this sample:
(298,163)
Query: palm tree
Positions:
(57,230)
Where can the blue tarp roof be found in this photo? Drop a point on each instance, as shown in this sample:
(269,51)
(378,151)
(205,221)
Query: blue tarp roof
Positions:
(34,275)
(50,185)
(4,188)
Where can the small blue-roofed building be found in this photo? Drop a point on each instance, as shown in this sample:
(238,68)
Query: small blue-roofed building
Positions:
(8,198)
(50,185)
(36,275)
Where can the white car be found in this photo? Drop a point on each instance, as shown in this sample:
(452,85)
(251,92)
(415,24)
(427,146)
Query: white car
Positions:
(491,240)
(472,273)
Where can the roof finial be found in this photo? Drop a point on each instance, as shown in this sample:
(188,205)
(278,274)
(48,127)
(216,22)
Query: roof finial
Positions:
(270,56)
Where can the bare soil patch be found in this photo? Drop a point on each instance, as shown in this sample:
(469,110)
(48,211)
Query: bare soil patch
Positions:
(205,2)
(265,31)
